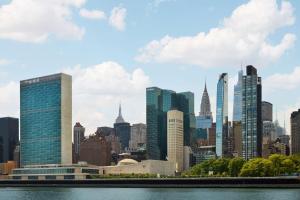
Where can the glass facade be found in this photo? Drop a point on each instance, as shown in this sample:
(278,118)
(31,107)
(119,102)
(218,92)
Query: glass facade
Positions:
(158,103)
(222,115)
(41,120)
(237,101)
(251,114)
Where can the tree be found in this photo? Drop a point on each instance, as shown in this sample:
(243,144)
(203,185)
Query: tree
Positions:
(235,165)
(277,160)
(288,166)
(257,167)
(220,166)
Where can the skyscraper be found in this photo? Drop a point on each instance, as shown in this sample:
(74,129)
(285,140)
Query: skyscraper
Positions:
(158,103)
(46,120)
(78,137)
(252,115)
(9,138)
(175,138)
(122,129)
(237,101)
(137,136)
(222,116)
(295,132)
(267,111)
(205,119)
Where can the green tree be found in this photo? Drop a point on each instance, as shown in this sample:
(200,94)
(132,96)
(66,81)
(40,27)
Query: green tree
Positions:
(220,166)
(277,160)
(257,167)
(235,165)
(288,166)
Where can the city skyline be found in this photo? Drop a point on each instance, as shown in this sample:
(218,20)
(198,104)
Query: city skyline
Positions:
(105,74)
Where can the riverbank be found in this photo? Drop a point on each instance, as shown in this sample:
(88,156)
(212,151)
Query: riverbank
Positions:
(215,182)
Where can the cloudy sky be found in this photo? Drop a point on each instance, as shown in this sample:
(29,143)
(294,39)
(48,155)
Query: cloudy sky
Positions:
(115,49)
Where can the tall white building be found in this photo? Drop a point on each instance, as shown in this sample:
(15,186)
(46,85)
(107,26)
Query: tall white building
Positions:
(175,138)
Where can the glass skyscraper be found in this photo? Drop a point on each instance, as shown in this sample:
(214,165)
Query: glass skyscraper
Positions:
(251,114)
(158,103)
(237,101)
(45,120)
(222,116)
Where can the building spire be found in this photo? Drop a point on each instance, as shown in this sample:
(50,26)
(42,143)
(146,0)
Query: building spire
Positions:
(120,117)
(205,103)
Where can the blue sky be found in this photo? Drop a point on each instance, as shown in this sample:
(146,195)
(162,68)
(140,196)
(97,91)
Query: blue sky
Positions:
(114,49)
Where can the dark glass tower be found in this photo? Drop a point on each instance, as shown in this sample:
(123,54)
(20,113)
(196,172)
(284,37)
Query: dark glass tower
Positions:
(295,132)
(237,101)
(9,138)
(252,114)
(122,129)
(159,102)
(222,116)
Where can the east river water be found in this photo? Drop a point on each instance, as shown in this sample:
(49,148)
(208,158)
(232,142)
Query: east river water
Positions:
(147,194)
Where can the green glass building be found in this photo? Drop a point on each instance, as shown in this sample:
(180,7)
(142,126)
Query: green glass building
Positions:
(158,103)
(45,120)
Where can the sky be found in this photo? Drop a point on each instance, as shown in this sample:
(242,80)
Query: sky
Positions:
(115,49)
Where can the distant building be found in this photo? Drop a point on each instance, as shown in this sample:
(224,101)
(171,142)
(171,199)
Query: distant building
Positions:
(269,130)
(138,136)
(237,101)
(222,116)
(203,153)
(122,129)
(159,102)
(251,118)
(95,150)
(17,156)
(295,132)
(205,119)
(285,139)
(212,135)
(274,147)
(9,138)
(267,111)
(46,120)
(175,138)
(237,135)
(78,137)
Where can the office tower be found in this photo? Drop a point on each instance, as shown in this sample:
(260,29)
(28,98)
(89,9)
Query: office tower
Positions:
(237,135)
(295,132)
(137,136)
(252,117)
(78,137)
(17,156)
(110,135)
(158,103)
(175,138)
(46,120)
(9,138)
(285,139)
(269,131)
(237,101)
(222,116)
(212,135)
(122,129)
(278,129)
(95,150)
(205,119)
(267,111)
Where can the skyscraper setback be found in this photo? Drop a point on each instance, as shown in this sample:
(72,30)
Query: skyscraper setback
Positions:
(45,120)
(205,119)
(159,102)
(222,116)
(252,114)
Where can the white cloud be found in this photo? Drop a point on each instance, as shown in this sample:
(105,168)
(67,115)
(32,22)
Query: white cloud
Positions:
(36,20)
(92,14)
(117,18)
(4,62)
(242,37)
(97,91)
(279,81)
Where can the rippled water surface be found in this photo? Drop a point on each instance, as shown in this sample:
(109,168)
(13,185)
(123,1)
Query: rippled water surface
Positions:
(147,193)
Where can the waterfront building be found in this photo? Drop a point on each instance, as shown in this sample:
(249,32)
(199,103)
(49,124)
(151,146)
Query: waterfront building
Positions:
(46,120)
(78,137)
(175,138)
(158,103)
(80,171)
(295,132)
(237,135)
(203,153)
(130,166)
(95,150)
(237,100)
(122,129)
(267,111)
(137,137)
(252,117)
(222,116)
(9,138)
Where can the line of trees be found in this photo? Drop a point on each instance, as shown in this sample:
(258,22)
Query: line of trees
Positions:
(275,165)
